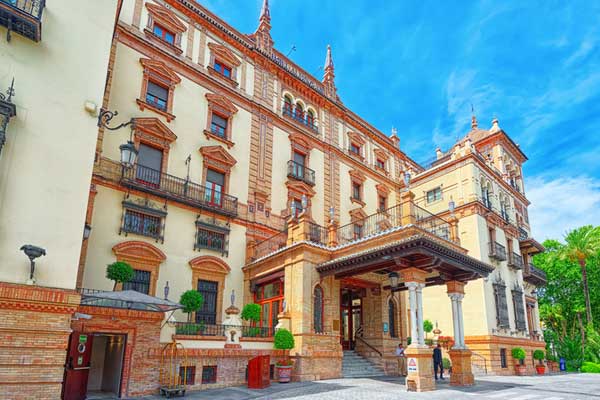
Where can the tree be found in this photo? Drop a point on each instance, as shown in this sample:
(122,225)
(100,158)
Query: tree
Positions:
(120,272)
(582,244)
(427,327)
(251,312)
(191,301)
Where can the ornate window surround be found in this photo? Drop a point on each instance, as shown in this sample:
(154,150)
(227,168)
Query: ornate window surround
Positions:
(227,57)
(218,159)
(152,132)
(142,256)
(210,268)
(160,74)
(357,177)
(143,207)
(295,191)
(223,107)
(168,19)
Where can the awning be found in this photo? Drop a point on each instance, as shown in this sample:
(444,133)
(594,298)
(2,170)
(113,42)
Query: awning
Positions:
(126,299)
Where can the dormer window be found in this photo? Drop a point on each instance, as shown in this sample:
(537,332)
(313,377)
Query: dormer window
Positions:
(157,96)
(164,33)
(222,68)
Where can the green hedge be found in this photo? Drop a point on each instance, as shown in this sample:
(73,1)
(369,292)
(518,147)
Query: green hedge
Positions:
(590,367)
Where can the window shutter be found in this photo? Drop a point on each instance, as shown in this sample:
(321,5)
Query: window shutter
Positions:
(501,305)
(215,177)
(519,309)
(158,91)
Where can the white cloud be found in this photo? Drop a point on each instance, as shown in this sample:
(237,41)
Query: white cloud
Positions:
(562,204)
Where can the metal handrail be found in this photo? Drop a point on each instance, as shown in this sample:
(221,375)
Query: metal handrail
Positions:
(369,345)
(371,225)
(497,251)
(30,7)
(300,172)
(203,329)
(516,260)
(301,118)
(432,223)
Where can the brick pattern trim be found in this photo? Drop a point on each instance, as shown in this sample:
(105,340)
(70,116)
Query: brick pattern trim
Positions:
(142,256)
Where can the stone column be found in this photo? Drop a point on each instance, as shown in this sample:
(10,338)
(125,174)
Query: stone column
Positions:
(419,361)
(459,354)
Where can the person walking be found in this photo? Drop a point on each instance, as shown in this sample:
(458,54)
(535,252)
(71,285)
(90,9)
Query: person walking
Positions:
(401,360)
(437,362)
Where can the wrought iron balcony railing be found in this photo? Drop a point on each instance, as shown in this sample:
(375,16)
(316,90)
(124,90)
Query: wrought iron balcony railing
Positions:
(182,190)
(497,251)
(300,117)
(23,17)
(202,329)
(523,234)
(515,261)
(534,275)
(300,172)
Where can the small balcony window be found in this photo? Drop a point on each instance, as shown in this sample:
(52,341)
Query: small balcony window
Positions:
(218,125)
(142,224)
(354,148)
(164,34)
(211,237)
(157,96)
(380,164)
(356,191)
(223,69)
(358,231)
(382,203)
(23,17)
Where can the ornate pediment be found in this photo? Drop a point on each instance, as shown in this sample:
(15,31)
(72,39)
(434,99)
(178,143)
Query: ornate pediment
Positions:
(166,17)
(382,189)
(224,54)
(139,250)
(299,187)
(382,155)
(218,154)
(357,214)
(209,264)
(221,102)
(356,138)
(299,142)
(159,68)
(155,128)
(356,175)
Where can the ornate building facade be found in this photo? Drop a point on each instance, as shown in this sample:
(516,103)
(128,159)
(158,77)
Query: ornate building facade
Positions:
(254,183)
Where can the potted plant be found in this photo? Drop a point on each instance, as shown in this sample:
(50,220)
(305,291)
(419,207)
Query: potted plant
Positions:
(427,328)
(251,313)
(552,362)
(539,355)
(518,354)
(191,301)
(284,340)
(120,272)
(447,365)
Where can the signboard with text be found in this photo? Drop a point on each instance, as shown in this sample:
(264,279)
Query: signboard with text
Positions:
(412,365)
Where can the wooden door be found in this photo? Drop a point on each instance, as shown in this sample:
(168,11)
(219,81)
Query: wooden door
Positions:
(77,366)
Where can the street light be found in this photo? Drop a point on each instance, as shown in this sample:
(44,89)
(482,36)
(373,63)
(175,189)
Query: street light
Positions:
(7,111)
(394,278)
(32,252)
(128,150)
(87,231)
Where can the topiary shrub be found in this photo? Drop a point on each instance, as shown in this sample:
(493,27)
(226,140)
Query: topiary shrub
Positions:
(538,355)
(446,363)
(284,340)
(251,312)
(191,301)
(590,368)
(120,272)
(427,327)
(518,354)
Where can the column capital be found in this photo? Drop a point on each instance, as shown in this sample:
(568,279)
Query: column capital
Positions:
(411,285)
(455,287)
(413,275)
(456,296)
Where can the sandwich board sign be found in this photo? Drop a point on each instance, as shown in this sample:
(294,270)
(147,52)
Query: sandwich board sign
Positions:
(412,365)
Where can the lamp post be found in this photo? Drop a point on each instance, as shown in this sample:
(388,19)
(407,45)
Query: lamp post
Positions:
(7,111)
(128,150)
(32,252)
(394,279)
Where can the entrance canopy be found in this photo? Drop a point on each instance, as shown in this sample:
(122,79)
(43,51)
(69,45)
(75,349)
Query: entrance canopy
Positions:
(417,251)
(126,299)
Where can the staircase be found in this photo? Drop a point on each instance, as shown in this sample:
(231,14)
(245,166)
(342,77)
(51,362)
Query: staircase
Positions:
(356,366)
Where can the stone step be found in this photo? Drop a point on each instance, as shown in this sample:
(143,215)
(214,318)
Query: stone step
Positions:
(356,366)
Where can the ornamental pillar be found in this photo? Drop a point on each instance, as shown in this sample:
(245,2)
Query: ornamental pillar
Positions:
(459,354)
(408,208)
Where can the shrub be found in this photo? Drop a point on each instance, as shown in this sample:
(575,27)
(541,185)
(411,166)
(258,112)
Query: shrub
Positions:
(538,355)
(190,329)
(446,363)
(251,312)
(120,272)
(285,363)
(551,357)
(590,368)
(284,340)
(191,301)
(518,353)
(427,326)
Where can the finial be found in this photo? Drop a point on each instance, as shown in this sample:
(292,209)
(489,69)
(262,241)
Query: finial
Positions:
(495,127)
(473,118)
(394,132)
(328,58)
(264,12)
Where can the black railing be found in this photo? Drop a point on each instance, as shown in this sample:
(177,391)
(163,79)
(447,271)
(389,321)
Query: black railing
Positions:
(432,223)
(300,117)
(217,330)
(298,171)
(23,17)
(497,251)
(181,190)
(534,275)
(270,245)
(370,225)
(486,201)
(515,261)
(435,161)
(523,234)
(317,233)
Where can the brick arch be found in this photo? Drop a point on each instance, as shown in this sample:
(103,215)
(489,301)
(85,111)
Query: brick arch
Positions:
(214,269)
(141,256)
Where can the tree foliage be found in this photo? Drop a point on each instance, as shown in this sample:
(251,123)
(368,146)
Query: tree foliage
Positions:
(251,312)
(191,301)
(119,272)
(283,340)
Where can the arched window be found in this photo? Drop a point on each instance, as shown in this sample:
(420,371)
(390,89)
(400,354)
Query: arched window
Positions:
(310,119)
(287,105)
(299,114)
(392,318)
(318,309)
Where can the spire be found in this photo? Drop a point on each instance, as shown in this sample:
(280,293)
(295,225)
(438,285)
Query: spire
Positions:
(264,42)
(329,75)
(473,122)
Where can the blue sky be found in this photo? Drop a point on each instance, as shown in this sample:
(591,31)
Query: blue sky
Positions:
(419,65)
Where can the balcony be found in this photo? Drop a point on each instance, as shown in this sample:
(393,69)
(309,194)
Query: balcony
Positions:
(300,118)
(23,17)
(300,172)
(515,261)
(203,329)
(497,251)
(487,203)
(523,234)
(181,190)
(534,275)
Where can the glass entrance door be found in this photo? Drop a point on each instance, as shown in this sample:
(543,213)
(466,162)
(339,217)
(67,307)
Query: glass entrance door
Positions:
(350,316)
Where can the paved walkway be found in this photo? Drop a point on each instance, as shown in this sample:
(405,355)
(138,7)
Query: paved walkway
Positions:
(553,387)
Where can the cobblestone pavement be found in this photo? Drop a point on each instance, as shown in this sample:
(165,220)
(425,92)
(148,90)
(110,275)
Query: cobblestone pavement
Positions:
(554,387)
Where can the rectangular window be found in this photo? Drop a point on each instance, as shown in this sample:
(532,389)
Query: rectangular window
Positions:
(212,240)
(222,69)
(382,203)
(501,305)
(354,149)
(209,291)
(209,374)
(142,224)
(218,125)
(164,34)
(380,164)
(269,296)
(356,189)
(157,96)
(297,206)
(434,195)
(187,375)
(140,282)
(519,310)
(215,183)
(358,231)
(503,362)
(149,165)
